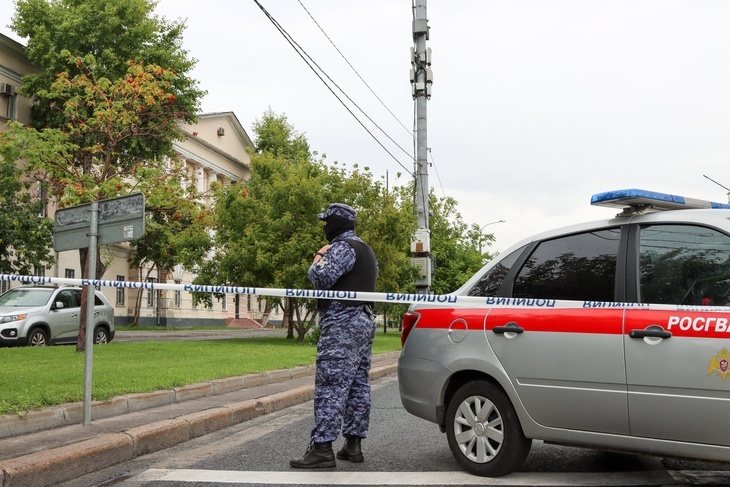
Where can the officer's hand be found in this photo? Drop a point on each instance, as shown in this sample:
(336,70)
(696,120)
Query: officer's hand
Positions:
(320,253)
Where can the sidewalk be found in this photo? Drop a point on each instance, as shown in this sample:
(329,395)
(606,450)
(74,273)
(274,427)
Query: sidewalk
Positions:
(52,445)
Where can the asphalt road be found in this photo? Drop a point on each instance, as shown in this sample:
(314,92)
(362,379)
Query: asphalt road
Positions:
(400,450)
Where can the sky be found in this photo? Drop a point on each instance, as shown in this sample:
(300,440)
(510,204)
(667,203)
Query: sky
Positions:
(536,104)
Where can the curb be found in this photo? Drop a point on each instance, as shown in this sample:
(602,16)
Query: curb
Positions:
(72,413)
(50,467)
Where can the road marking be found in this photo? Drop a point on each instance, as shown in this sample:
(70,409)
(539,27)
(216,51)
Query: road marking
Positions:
(298,477)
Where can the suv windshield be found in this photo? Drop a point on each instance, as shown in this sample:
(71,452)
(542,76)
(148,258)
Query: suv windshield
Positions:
(26,297)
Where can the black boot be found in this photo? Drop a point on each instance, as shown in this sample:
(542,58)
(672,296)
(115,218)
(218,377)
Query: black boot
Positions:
(318,455)
(351,450)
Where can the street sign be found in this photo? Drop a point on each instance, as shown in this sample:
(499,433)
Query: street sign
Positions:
(120,220)
(86,226)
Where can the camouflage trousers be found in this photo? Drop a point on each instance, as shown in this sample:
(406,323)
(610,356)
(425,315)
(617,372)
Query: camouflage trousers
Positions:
(342,383)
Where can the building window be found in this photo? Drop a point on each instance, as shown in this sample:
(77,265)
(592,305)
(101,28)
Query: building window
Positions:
(42,196)
(39,271)
(177,297)
(150,294)
(120,292)
(224,302)
(69,273)
(12,112)
(4,286)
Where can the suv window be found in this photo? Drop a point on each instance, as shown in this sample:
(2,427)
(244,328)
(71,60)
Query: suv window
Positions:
(684,264)
(66,298)
(580,267)
(489,283)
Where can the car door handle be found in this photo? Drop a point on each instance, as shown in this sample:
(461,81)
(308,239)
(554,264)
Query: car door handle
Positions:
(652,332)
(510,327)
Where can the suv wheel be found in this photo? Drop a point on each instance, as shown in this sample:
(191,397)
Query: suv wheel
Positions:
(101,336)
(37,338)
(483,430)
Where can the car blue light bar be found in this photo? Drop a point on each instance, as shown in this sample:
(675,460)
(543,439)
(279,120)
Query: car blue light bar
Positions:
(639,198)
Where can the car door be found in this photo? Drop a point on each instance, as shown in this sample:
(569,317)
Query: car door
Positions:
(64,319)
(677,355)
(559,336)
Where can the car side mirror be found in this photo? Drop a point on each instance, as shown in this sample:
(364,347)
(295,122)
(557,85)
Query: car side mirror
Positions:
(58,305)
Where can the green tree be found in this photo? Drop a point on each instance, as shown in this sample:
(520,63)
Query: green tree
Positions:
(276,136)
(25,237)
(113,32)
(267,228)
(114,86)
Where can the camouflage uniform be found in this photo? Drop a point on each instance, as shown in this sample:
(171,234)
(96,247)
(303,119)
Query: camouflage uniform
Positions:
(344,352)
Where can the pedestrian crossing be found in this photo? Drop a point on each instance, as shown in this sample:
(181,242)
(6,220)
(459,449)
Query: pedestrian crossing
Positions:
(333,478)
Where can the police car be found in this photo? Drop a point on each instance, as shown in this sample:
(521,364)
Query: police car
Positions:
(612,334)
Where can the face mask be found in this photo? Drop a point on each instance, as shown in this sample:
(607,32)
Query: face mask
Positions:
(335,225)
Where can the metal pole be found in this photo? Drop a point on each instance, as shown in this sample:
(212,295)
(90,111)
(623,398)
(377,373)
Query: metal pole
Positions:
(421,79)
(90,301)
(421,120)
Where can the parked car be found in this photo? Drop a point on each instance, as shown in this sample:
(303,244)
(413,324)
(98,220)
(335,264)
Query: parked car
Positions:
(611,335)
(43,315)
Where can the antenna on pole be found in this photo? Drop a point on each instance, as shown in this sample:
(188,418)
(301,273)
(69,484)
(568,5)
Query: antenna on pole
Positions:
(421,80)
(722,186)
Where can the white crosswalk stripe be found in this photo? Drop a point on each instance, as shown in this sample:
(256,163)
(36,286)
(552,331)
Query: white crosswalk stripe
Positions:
(597,479)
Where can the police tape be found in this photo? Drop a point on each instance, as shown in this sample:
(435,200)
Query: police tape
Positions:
(446,299)
(395,298)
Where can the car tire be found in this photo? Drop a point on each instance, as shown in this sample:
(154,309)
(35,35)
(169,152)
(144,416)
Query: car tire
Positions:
(37,337)
(101,336)
(484,433)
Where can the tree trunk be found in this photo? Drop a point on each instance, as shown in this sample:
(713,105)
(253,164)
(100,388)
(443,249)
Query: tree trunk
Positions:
(288,321)
(100,270)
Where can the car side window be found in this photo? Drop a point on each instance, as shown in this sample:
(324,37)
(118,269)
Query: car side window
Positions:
(67,298)
(684,264)
(580,267)
(489,283)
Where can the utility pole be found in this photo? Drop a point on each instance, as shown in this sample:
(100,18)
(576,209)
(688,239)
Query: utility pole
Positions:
(421,80)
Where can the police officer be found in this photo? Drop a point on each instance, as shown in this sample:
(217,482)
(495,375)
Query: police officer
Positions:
(344,350)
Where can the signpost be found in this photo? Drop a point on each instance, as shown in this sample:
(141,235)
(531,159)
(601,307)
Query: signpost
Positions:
(119,220)
(89,225)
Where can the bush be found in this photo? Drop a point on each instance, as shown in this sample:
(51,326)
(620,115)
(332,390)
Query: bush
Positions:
(312,338)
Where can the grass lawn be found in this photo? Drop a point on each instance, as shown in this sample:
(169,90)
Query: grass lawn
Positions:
(36,377)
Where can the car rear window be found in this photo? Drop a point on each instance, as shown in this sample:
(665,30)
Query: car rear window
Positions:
(580,267)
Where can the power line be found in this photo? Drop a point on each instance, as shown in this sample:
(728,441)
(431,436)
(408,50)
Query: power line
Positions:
(353,68)
(309,61)
(410,132)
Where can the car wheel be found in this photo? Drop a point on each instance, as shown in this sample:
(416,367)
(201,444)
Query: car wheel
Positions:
(101,336)
(484,433)
(37,338)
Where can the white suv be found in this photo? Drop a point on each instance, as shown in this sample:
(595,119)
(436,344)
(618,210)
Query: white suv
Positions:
(612,334)
(42,315)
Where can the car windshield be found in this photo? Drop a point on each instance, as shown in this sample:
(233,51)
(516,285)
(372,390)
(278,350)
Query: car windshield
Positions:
(26,297)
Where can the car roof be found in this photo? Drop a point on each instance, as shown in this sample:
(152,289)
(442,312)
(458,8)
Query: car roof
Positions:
(717,218)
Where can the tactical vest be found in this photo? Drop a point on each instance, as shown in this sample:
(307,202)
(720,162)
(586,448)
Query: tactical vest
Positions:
(361,278)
